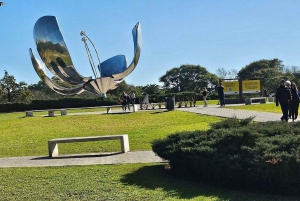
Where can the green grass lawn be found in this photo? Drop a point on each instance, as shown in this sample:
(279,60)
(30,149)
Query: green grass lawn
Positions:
(112,182)
(269,107)
(21,136)
(29,136)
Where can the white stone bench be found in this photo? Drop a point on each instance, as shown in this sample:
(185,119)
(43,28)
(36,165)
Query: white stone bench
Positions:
(248,101)
(50,112)
(108,108)
(53,144)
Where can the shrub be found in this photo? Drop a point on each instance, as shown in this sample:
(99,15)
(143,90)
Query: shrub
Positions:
(57,104)
(237,153)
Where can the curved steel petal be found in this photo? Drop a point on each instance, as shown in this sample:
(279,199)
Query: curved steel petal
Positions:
(52,85)
(54,52)
(113,65)
(100,85)
(137,40)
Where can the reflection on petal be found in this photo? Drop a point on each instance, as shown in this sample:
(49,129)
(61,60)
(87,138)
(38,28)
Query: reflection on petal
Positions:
(137,40)
(114,65)
(52,85)
(53,50)
(55,55)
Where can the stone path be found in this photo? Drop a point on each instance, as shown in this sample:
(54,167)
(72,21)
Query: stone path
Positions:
(215,110)
(132,156)
(86,159)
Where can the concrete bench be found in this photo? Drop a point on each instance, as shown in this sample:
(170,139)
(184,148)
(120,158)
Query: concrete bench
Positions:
(50,112)
(108,108)
(53,144)
(248,101)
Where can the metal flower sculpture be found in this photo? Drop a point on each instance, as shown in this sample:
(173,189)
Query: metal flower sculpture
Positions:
(55,55)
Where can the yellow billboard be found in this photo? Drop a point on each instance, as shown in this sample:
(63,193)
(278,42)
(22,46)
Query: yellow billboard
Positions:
(251,86)
(231,87)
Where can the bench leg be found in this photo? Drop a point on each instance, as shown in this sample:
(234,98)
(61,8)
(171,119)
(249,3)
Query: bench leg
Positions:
(51,113)
(263,100)
(135,108)
(29,114)
(248,101)
(125,144)
(108,110)
(53,149)
(63,112)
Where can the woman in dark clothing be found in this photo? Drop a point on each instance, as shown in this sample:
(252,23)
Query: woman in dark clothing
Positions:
(295,101)
(123,100)
(284,98)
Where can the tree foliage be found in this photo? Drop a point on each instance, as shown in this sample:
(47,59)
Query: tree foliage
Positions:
(187,78)
(152,89)
(223,73)
(269,72)
(250,71)
(11,91)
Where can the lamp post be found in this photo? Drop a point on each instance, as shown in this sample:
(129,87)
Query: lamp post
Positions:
(1,3)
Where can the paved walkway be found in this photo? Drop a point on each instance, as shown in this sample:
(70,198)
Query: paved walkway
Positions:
(216,110)
(132,156)
(86,159)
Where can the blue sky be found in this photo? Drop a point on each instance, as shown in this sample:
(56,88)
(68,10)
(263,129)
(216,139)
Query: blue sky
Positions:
(212,33)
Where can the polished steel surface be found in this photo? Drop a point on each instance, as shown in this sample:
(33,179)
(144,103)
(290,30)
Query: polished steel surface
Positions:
(137,41)
(114,65)
(53,50)
(52,85)
(55,55)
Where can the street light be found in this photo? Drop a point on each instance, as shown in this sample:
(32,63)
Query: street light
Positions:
(1,3)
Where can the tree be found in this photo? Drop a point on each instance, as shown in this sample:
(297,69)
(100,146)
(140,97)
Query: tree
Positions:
(227,74)
(222,73)
(123,87)
(268,71)
(187,78)
(152,89)
(12,91)
(269,78)
(250,70)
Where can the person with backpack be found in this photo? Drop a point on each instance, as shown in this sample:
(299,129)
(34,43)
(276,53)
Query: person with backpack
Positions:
(295,102)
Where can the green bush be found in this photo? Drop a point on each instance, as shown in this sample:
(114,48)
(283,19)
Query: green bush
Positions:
(237,153)
(57,104)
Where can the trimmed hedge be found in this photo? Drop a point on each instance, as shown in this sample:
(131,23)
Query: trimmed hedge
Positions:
(57,104)
(238,154)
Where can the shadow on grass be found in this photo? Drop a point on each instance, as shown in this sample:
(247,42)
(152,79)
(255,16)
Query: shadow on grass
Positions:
(157,177)
(78,156)
(154,177)
(159,112)
(114,113)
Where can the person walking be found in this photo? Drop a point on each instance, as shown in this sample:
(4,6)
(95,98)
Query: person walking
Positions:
(288,86)
(132,96)
(221,94)
(128,101)
(295,102)
(283,97)
(123,100)
(204,95)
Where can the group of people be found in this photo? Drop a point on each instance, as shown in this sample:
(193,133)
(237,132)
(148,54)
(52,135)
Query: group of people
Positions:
(221,94)
(126,100)
(287,95)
